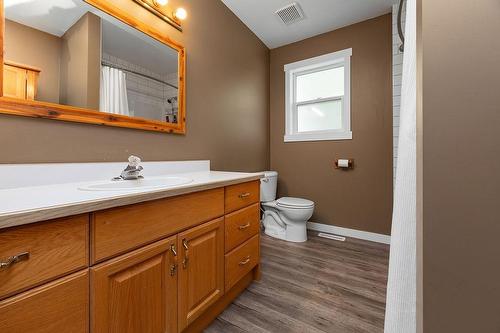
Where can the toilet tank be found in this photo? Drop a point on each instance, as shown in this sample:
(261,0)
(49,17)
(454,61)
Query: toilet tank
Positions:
(268,186)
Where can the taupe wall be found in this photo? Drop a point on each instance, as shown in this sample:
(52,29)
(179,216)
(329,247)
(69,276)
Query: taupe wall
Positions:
(81,63)
(361,198)
(460,165)
(38,49)
(227,105)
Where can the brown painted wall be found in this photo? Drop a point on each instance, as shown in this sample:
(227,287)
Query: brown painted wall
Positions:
(362,198)
(460,125)
(38,49)
(81,63)
(227,105)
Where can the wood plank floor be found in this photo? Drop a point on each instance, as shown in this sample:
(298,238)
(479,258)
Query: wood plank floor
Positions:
(318,286)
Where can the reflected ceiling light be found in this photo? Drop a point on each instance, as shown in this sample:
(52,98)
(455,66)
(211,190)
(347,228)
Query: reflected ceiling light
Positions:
(180,13)
(160,2)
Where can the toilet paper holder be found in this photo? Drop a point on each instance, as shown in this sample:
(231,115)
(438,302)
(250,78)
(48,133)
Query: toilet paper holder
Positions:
(345,164)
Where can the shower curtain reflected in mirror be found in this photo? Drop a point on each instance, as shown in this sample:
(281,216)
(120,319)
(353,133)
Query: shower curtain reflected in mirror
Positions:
(113,90)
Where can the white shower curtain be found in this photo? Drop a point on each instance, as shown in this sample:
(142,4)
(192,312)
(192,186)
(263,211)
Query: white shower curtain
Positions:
(113,91)
(400,313)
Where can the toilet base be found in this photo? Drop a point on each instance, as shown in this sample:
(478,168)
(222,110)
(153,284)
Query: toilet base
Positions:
(291,232)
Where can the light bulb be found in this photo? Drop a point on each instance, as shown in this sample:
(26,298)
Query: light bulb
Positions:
(160,2)
(180,13)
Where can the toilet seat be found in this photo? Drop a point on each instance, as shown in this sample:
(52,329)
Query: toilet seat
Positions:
(294,203)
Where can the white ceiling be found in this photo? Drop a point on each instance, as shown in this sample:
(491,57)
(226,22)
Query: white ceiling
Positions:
(320,16)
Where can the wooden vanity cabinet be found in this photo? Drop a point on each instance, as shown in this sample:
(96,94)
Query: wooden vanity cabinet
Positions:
(161,266)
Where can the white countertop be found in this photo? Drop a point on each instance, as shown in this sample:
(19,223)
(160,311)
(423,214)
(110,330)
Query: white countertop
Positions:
(27,204)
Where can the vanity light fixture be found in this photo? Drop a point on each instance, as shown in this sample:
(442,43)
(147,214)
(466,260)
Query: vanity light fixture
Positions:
(161,9)
(180,13)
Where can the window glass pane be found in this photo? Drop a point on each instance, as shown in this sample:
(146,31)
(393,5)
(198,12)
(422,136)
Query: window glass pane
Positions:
(320,116)
(322,84)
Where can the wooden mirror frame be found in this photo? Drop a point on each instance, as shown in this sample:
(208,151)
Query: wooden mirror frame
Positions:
(38,109)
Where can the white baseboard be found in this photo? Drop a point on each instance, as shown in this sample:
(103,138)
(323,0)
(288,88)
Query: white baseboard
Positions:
(369,236)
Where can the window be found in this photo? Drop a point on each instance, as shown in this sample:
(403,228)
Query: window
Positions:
(318,100)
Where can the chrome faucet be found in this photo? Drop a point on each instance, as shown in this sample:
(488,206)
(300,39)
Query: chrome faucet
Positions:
(132,171)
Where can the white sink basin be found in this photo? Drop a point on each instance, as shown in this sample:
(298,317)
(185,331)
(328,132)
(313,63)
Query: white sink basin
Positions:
(139,184)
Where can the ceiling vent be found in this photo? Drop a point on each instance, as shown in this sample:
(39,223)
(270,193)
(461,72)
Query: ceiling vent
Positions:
(290,14)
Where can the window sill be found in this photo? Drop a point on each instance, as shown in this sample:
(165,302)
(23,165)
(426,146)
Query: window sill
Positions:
(333,136)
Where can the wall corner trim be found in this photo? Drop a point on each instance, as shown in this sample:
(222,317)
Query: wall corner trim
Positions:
(365,235)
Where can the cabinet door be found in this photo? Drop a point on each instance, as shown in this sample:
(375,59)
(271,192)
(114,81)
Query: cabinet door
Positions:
(31,85)
(201,269)
(136,292)
(14,82)
(58,306)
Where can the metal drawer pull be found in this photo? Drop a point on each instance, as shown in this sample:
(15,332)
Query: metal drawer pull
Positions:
(243,227)
(185,244)
(14,260)
(244,195)
(244,262)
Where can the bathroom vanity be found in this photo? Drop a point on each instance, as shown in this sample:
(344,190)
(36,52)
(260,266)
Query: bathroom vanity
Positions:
(162,260)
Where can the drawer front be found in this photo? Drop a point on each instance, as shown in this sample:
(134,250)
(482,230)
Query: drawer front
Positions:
(55,248)
(242,195)
(118,230)
(241,225)
(241,260)
(59,306)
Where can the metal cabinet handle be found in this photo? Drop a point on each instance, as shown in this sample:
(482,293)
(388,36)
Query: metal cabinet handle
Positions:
(244,195)
(174,251)
(185,261)
(173,268)
(14,260)
(245,261)
(243,227)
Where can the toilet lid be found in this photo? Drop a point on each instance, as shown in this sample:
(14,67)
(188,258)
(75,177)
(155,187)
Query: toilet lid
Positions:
(289,202)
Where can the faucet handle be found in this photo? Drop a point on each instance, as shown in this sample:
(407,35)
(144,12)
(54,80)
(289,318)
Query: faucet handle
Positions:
(133,169)
(134,161)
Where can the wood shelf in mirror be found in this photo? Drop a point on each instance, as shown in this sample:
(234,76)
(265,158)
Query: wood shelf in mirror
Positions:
(47,110)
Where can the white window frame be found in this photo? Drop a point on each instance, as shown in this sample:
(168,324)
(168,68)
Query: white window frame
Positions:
(324,62)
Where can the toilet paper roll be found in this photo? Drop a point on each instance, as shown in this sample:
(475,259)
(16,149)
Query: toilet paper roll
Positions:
(343,163)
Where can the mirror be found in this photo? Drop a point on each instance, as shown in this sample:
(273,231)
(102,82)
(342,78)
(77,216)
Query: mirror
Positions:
(70,56)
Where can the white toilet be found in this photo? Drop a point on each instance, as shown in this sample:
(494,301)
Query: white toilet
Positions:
(286,217)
